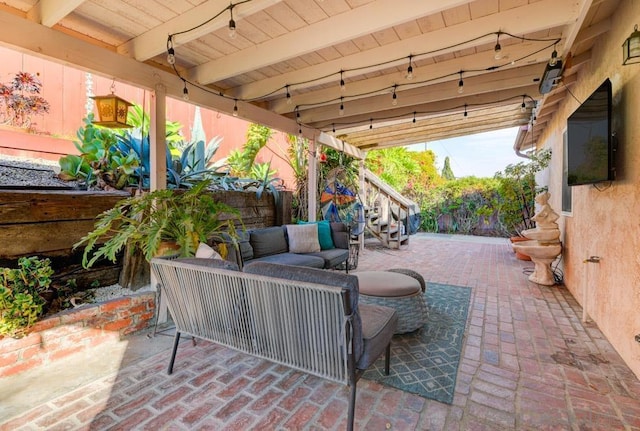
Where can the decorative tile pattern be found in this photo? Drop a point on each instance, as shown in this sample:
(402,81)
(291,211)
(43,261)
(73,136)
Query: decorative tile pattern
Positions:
(425,362)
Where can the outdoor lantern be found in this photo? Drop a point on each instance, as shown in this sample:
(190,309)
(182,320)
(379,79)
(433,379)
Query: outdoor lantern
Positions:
(112,111)
(631,48)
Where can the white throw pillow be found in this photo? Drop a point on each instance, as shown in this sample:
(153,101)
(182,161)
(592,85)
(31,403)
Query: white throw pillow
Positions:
(303,238)
(206,252)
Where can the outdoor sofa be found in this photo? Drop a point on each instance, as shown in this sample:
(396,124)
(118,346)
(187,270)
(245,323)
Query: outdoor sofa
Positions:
(305,318)
(315,245)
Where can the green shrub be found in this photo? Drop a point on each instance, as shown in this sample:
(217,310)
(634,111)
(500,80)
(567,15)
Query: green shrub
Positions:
(20,300)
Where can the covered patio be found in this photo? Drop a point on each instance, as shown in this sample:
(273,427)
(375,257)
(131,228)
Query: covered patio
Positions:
(527,362)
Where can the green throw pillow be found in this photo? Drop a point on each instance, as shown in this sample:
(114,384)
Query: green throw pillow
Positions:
(324,234)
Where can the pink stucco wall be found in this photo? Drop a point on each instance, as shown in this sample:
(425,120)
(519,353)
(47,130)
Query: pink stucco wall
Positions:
(605,222)
(65,90)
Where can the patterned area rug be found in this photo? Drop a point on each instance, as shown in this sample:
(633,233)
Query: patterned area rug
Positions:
(425,362)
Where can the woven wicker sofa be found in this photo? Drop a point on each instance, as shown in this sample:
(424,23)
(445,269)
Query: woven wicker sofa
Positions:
(304,318)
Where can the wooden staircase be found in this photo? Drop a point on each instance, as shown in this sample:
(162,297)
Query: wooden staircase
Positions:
(387,212)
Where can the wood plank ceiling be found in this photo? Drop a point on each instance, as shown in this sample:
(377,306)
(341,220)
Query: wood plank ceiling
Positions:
(288,58)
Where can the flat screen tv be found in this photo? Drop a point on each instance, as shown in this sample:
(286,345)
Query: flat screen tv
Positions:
(590,143)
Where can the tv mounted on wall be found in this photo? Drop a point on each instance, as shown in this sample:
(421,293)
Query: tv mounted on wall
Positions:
(590,140)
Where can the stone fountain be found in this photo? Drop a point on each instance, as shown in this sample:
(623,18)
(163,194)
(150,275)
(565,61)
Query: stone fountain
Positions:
(543,244)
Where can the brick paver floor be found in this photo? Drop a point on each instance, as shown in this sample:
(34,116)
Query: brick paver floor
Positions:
(528,363)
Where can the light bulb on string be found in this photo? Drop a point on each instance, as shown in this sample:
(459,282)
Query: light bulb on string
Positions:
(460,84)
(414,117)
(185,92)
(410,70)
(394,96)
(554,57)
(465,111)
(341,110)
(289,101)
(232,23)
(498,49)
(333,127)
(523,107)
(171,53)
(343,86)
(235,107)
(370,123)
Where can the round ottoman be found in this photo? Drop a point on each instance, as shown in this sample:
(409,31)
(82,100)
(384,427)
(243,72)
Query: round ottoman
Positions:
(398,290)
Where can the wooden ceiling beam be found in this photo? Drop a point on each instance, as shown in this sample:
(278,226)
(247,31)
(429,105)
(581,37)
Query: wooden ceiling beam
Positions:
(154,41)
(530,18)
(447,71)
(357,22)
(478,90)
(50,12)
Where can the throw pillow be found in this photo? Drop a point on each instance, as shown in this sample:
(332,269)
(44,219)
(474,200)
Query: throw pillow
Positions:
(267,241)
(324,233)
(303,238)
(204,251)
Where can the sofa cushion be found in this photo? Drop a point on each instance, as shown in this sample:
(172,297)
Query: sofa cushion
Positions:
(333,257)
(378,325)
(324,234)
(291,259)
(318,276)
(205,251)
(303,238)
(340,235)
(268,241)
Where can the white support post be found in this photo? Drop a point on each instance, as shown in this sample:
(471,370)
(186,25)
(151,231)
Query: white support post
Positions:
(158,167)
(312,191)
(158,133)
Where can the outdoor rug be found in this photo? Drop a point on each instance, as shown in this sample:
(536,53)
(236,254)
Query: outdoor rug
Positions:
(425,362)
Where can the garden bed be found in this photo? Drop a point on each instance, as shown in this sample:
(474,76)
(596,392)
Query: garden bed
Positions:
(75,330)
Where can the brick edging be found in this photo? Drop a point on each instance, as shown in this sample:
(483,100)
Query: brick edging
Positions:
(76,330)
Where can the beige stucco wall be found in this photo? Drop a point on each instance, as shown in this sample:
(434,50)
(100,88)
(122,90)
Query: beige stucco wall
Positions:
(606,222)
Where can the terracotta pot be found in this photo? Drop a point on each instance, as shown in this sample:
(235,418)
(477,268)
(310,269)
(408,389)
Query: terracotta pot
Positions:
(522,256)
(167,248)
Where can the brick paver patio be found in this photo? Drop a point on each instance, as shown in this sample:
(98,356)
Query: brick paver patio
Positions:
(528,363)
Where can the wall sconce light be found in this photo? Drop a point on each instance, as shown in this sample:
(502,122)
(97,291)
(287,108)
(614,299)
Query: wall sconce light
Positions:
(631,48)
(112,111)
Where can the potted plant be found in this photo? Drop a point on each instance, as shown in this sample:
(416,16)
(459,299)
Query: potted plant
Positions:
(21,295)
(146,222)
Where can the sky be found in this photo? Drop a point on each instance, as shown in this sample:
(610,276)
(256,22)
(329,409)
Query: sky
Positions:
(480,155)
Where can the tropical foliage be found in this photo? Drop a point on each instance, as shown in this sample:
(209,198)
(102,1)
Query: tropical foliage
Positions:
(144,222)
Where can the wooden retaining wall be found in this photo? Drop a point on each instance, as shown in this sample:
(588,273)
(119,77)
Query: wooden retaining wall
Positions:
(48,224)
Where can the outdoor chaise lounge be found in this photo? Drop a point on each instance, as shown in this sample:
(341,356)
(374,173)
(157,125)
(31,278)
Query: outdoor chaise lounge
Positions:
(304,318)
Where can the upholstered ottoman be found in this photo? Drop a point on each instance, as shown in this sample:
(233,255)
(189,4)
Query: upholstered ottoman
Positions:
(401,289)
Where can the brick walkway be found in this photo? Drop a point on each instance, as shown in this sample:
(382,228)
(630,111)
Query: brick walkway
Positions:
(528,363)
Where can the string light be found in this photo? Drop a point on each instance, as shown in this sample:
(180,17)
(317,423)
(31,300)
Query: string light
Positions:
(413,115)
(410,69)
(289,101)
(554,57)
(498,49)
(232,23)
(341,110)
(343,86)
(523,107)
(297,113)
(171,53)
(460,84)
(235,107)
(185,92)
(394,97)
(370,123)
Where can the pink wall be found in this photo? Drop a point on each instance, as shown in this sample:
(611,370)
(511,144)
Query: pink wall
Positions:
(65,90)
